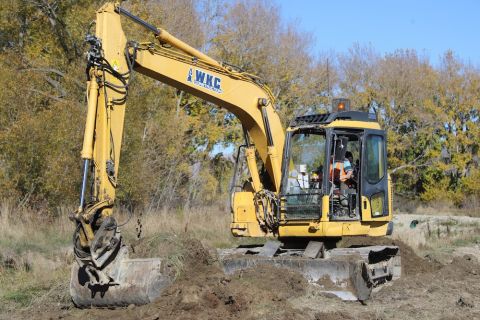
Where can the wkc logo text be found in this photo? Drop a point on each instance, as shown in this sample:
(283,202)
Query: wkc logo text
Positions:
(203,79)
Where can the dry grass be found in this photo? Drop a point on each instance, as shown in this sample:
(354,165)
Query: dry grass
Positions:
(436,234)
(36,254)
(442,228)
(447,211)
(436,208)
(34,258)
(211,225)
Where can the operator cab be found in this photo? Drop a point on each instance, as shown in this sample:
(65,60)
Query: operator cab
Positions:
(335,161)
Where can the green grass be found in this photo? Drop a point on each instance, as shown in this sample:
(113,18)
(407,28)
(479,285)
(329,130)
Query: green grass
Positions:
(449,223)
(22,297)
(466,240)
(21,289)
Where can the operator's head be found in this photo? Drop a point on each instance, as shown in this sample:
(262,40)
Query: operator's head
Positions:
(349,156)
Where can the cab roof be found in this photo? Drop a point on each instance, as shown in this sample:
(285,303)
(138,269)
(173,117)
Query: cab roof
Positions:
(326,118)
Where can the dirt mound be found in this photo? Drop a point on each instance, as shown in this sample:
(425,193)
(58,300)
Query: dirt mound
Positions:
(195,256)
(411,263)
(203,291)
(209,294)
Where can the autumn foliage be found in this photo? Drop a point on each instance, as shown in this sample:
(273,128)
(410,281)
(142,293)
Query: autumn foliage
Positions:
(173,142)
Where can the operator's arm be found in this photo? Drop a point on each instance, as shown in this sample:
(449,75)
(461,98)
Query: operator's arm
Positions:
(347,166)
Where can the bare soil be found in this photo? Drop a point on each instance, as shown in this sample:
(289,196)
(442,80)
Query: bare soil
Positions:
(427,290)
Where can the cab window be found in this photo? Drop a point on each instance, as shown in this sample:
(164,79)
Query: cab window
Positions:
(307,159)
(375,158)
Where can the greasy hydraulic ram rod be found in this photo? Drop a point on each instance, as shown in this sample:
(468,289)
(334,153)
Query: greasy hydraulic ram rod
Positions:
(136,19)
(166,37)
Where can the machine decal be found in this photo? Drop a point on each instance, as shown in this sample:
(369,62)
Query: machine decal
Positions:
(204,79)
(115,64)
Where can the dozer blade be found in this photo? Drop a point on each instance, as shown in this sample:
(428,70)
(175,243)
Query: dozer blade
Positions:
(123,282)
(349,273)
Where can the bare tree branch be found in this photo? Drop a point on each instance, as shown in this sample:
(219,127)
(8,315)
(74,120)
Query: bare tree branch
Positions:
(56,84)
(57,72)
(408,166)
(59,27)
(412,164)
(55,98)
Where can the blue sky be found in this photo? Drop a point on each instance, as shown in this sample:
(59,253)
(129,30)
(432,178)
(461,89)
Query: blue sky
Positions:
(431,27)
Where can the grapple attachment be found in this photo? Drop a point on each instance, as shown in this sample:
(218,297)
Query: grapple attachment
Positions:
(123,282)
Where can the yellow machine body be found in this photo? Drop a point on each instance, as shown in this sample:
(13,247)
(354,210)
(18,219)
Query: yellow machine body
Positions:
(245,219)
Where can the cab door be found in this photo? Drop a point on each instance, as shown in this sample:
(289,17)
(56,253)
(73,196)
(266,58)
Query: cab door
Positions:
(373,176)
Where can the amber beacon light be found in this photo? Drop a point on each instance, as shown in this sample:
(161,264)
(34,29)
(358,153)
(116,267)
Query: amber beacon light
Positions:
(340,105)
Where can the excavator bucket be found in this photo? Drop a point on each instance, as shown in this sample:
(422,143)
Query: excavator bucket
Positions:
(348,273)
(123,282)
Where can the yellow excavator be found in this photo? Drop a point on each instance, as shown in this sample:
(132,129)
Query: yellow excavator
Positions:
(296,194)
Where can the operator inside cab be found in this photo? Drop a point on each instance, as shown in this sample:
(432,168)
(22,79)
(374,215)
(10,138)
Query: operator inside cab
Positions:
(341,172)
(352,181)
(341,169)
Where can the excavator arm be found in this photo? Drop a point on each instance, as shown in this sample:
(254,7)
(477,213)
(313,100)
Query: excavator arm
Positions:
(112,61)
